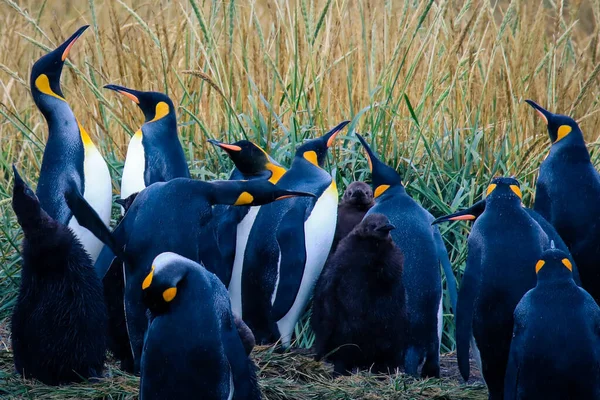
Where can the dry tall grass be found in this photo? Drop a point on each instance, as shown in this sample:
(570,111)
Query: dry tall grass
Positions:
(440,83)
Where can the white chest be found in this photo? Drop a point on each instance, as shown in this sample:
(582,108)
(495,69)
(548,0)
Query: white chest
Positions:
(132,180)
(319,230)
(97,192)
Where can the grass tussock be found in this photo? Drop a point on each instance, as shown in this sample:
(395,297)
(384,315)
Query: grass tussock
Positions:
(438,85)
(289,376)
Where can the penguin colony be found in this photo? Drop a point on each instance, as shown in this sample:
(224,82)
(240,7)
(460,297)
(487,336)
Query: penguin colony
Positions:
(195,273)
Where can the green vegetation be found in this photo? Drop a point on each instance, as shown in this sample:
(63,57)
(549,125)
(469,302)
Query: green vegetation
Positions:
(437,85)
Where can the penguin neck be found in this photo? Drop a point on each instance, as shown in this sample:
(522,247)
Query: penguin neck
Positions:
(221,192)
(59,116)
(555,278)
(300,162)
(393,190)
(47,244)
(503,204)
(164,128)
(571,149)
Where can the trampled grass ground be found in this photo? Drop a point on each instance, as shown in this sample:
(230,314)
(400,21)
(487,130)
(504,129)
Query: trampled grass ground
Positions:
(438,85)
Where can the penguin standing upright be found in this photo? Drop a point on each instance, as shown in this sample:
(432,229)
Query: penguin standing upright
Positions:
(192,334)
(359,311)
(424,251)
(182,209)
(154,153)
(59,320)
(555,348)
(70,161)
(504,243)
(288,245)
(251,162)
(567,193)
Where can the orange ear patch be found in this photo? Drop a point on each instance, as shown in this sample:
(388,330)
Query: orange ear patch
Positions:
(490,189)
(517,190)
(539,265)
(567,264)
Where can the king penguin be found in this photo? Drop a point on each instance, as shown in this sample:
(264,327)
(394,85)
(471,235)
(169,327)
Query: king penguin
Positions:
(504,243)
(159,221)
(424,252)
(154,153)
(288,245)
(251,162)
(567,193)
(71,161)
(192,334)
(555,348)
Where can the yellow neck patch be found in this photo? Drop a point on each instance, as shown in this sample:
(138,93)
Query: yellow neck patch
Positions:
(517,191)
(162,110)
(490,189)
(138,134)
(380,190)
(539,265)
(311,156)
(563,131)
(85,138)
(567,264)
(148,280)
(170,294)
(244,199)
(276,172)
(42,83)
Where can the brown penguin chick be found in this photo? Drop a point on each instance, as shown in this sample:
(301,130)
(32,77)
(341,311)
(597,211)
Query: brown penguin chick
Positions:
(357,200)
(359,309)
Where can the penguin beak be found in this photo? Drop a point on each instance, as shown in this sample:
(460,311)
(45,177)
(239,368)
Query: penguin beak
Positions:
(65,48)
(370,155)
(468,214)
(386,228)
(290,193)
(225,146)
(545,114)
(330,136)
(130,93)
(18,180)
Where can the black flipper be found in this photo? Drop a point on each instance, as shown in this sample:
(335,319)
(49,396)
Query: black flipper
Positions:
(468,214)
(464,311)
(512,368)
(104,261)
(292,246)
(127,202)
(446,266)
(88,218)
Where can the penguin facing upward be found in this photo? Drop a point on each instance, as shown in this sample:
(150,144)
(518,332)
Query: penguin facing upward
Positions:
(359,314)
(566,195)
(424,251)
(504,243)
(59,320)
(70,161)
(473,212)
(356,201)
(192,334)
(288,245)
(181,209)
(154,153)
(554,352)
(234,223)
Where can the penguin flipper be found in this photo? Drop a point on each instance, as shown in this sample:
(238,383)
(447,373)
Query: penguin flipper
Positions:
(446,266)
(464,311)
(512,368)
(292,247)
(104,262)
(88,218)
(542,201)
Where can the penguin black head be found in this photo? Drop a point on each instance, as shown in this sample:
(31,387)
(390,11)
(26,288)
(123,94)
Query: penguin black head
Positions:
(154,105)
(250,159)
(559,126)
(167,276)
(359,195)
(504,188)
(259,192)
(382,176)
(375,226)
(315,150)
(554,265)
(45,74)
(24,202)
